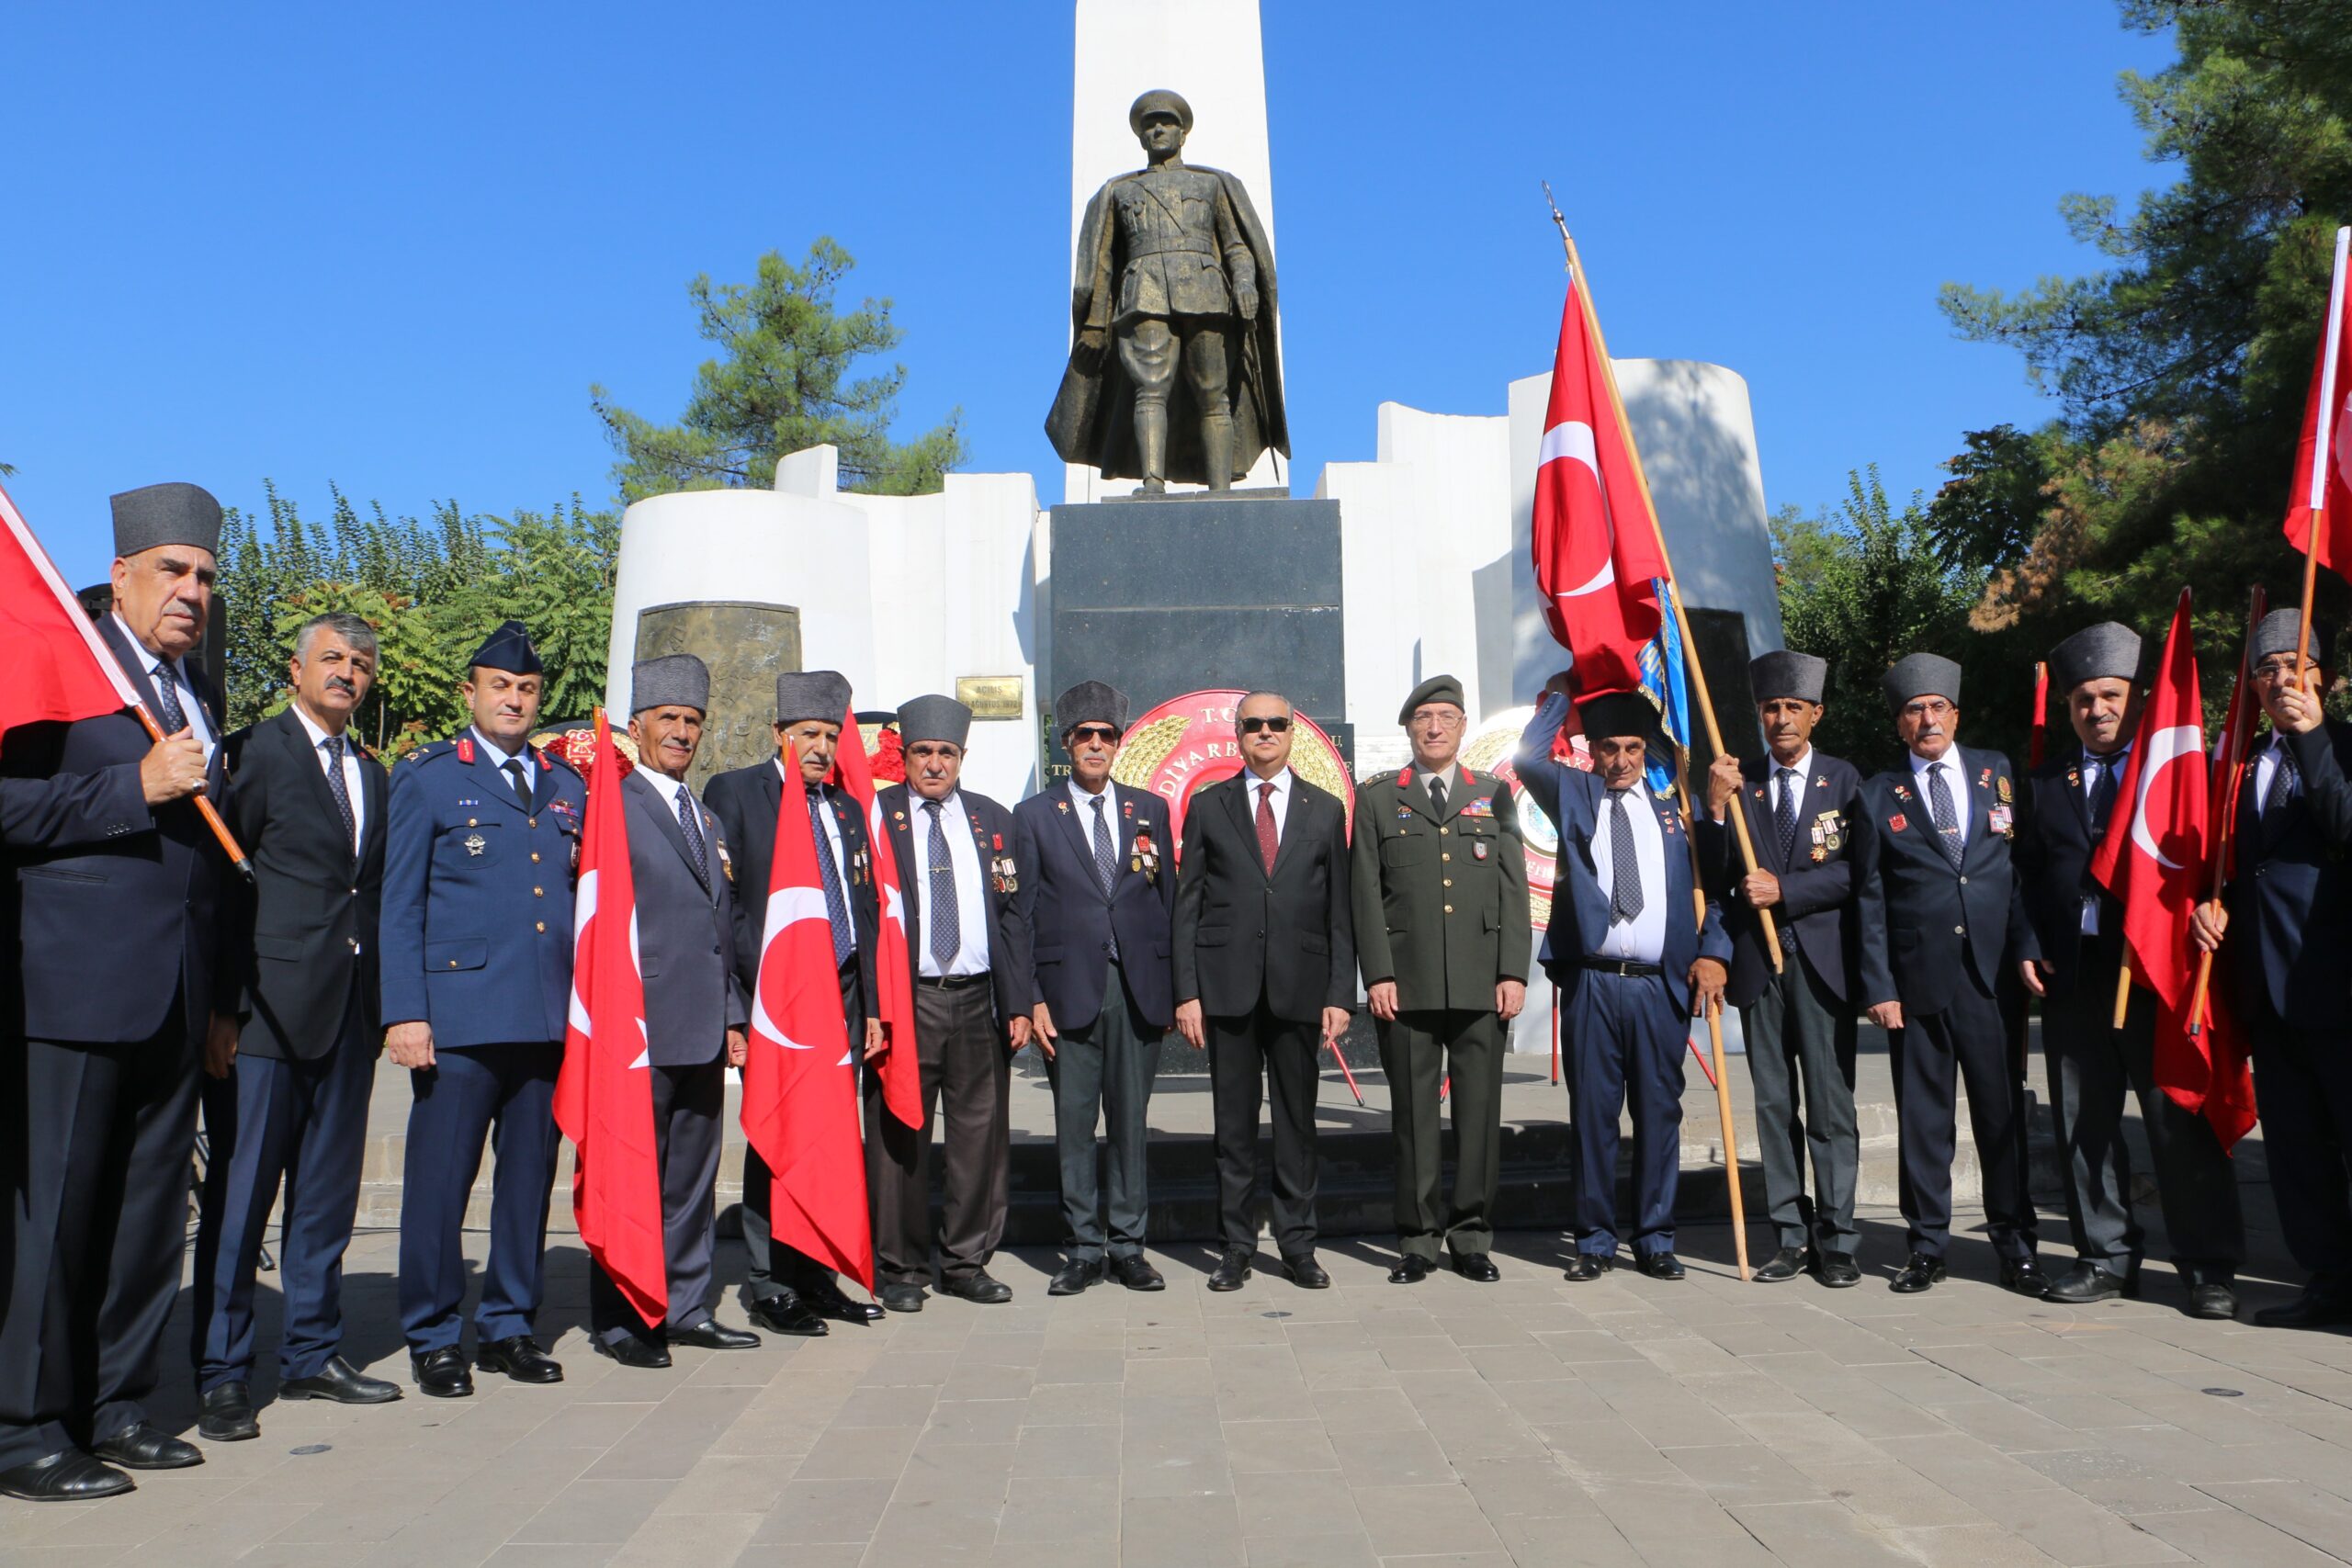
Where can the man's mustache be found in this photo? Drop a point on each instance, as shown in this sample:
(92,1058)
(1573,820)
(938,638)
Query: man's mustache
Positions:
(341,683)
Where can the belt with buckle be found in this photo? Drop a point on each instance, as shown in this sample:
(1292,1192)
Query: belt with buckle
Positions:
(1625,966)
(949,982)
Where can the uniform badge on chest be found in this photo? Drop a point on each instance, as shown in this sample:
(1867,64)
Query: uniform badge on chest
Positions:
(1478,849)
(476,843)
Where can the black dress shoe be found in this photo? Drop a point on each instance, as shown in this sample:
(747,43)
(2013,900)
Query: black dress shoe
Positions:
(141,1447)
(1136,1273)
(341,1381)
(443,1374)
(2215,1299)
(2087,1283)
(828,1301)
(68,1475)
(2024,1275)
(1411,1270)
(1307,1274)
(712,1335)
(1073,1277)
(1785,1264)
(1836,1269)
(1919,1272)
(1477,1267)
(900,1297)
(225,1415)
(787,1314)
(1659,1265)
(631,1352)
(2307,1310)
(1231,1272)
(520,1358)
(979,1288)
(1587,1265)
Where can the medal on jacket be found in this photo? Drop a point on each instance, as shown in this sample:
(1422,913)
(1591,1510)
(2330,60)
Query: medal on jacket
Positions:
(1478,849)
(1001,868)
(1146,858)
(476,843)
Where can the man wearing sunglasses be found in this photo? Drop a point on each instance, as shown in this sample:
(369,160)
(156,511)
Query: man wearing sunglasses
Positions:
(1098,907)
(1265,972)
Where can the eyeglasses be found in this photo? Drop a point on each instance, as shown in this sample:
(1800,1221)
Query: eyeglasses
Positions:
(1278,724)
(1102,732)
(1927,708)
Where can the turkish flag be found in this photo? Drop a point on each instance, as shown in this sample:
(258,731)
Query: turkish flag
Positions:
(2322,476)
(58,671)
(894,980)
(603,1094)
(1596,553)
(799,1090)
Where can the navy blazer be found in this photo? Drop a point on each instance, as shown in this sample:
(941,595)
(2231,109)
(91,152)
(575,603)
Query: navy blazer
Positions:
(1816,877)
(478,888)
(1923,924)
(686,927)
(996,840)
(2291,900)
(745,801)
(1071,923)
(117,906)
(1573,799)
(313,909)
(2053,853)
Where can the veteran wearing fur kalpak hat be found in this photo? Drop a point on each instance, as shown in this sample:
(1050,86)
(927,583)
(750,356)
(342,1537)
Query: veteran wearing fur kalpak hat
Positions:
(2069,803)
(1940,918)
(1798,1019)
(1097,907)
(1439,883)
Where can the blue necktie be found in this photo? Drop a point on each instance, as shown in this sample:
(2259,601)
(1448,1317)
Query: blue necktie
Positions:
(167,699)
(1625,863)
(836,906)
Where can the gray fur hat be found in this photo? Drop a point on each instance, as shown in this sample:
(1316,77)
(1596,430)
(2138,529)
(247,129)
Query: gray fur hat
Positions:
(2107,652)
(1783,673)
(934,717)
(811,694)
(674,680)
(174,513)
(1921,675)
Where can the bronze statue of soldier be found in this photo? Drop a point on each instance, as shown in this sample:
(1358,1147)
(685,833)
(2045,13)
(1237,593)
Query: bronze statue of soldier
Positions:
(1175,272)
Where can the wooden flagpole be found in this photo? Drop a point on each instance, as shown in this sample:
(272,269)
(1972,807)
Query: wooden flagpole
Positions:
(2228,772)
(1717,1077)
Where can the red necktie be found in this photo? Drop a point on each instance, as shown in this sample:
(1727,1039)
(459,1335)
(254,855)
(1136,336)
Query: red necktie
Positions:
(1268,844)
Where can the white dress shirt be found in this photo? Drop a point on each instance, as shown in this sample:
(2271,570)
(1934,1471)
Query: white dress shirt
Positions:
(1641,939)
(1083,804)
(832,846)
(198,725)
(971,891)
(1280,800)
(498,759)
(350,773)
(1954,780)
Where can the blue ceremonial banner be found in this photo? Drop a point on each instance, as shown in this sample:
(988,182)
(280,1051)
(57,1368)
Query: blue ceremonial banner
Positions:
(1663,683)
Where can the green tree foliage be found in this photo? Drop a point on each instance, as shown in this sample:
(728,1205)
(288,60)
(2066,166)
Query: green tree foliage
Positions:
(431,590)
(783,383)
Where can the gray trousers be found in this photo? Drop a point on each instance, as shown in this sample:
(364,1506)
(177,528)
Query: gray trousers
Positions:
(1103,1071)
(1416,1051)
(689,1106)
(1798,1031)
(2091,1064)
(967,1073)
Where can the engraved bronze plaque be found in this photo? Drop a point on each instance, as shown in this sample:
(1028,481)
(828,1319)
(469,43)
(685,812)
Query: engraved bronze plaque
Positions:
(747,645)
(989,697)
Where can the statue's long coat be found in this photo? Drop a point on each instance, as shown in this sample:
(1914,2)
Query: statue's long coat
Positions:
(1093,420)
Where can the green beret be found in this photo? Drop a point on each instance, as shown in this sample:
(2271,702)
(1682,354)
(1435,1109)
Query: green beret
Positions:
(1436,689)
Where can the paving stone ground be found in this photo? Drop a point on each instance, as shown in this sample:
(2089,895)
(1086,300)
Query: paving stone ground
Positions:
(1532,1422)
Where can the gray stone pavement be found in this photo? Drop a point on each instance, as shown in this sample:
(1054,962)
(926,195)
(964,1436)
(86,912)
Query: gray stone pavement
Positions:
(1532,1422)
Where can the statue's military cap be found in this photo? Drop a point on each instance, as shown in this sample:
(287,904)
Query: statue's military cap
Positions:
(1785,673)
(174,513)
(1160,100)
(811,694)
(933,718)
(508,649)
(1436,689)
(1091,702)
(674,680)
(2107,652)
(1921,676)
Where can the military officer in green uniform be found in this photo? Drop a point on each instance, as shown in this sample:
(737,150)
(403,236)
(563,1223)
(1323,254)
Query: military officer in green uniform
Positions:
(1443,934)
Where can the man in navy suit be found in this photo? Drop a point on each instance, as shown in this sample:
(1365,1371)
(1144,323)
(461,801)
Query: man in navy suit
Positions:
(1097,906)
(1941,914)
(124,979)
(2069,802)
(695,1009)
(959,864)
(1799,1019)
(2291,902)
(1635,961)
(309,808)
(482,845)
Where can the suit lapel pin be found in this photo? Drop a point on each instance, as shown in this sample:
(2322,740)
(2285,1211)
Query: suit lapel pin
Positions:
(1896,823)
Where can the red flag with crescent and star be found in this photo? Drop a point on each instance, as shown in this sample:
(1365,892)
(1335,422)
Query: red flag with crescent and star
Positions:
(799,1086)
(894,975)
(1597,557)
(604,1092)
(2323,481)
(2153,859)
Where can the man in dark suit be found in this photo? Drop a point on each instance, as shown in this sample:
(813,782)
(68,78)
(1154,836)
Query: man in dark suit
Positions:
(1439,881)
(2069,801)
(1940,915)
(1265,972)
(2290,903)
(957,856)
(695,1009)
(124,980)
(482,847)
(1096,906)
(786,1291)
(309,808)
(1635,955)
(1798,1020)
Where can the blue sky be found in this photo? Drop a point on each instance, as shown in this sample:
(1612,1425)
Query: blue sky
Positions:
(391,246)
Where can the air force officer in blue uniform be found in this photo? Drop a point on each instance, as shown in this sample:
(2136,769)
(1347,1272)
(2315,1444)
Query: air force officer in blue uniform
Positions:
(482,834)
(1633,962)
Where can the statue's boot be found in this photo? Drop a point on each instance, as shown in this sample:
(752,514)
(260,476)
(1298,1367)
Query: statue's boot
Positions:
(1216,449)
(1151,446)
